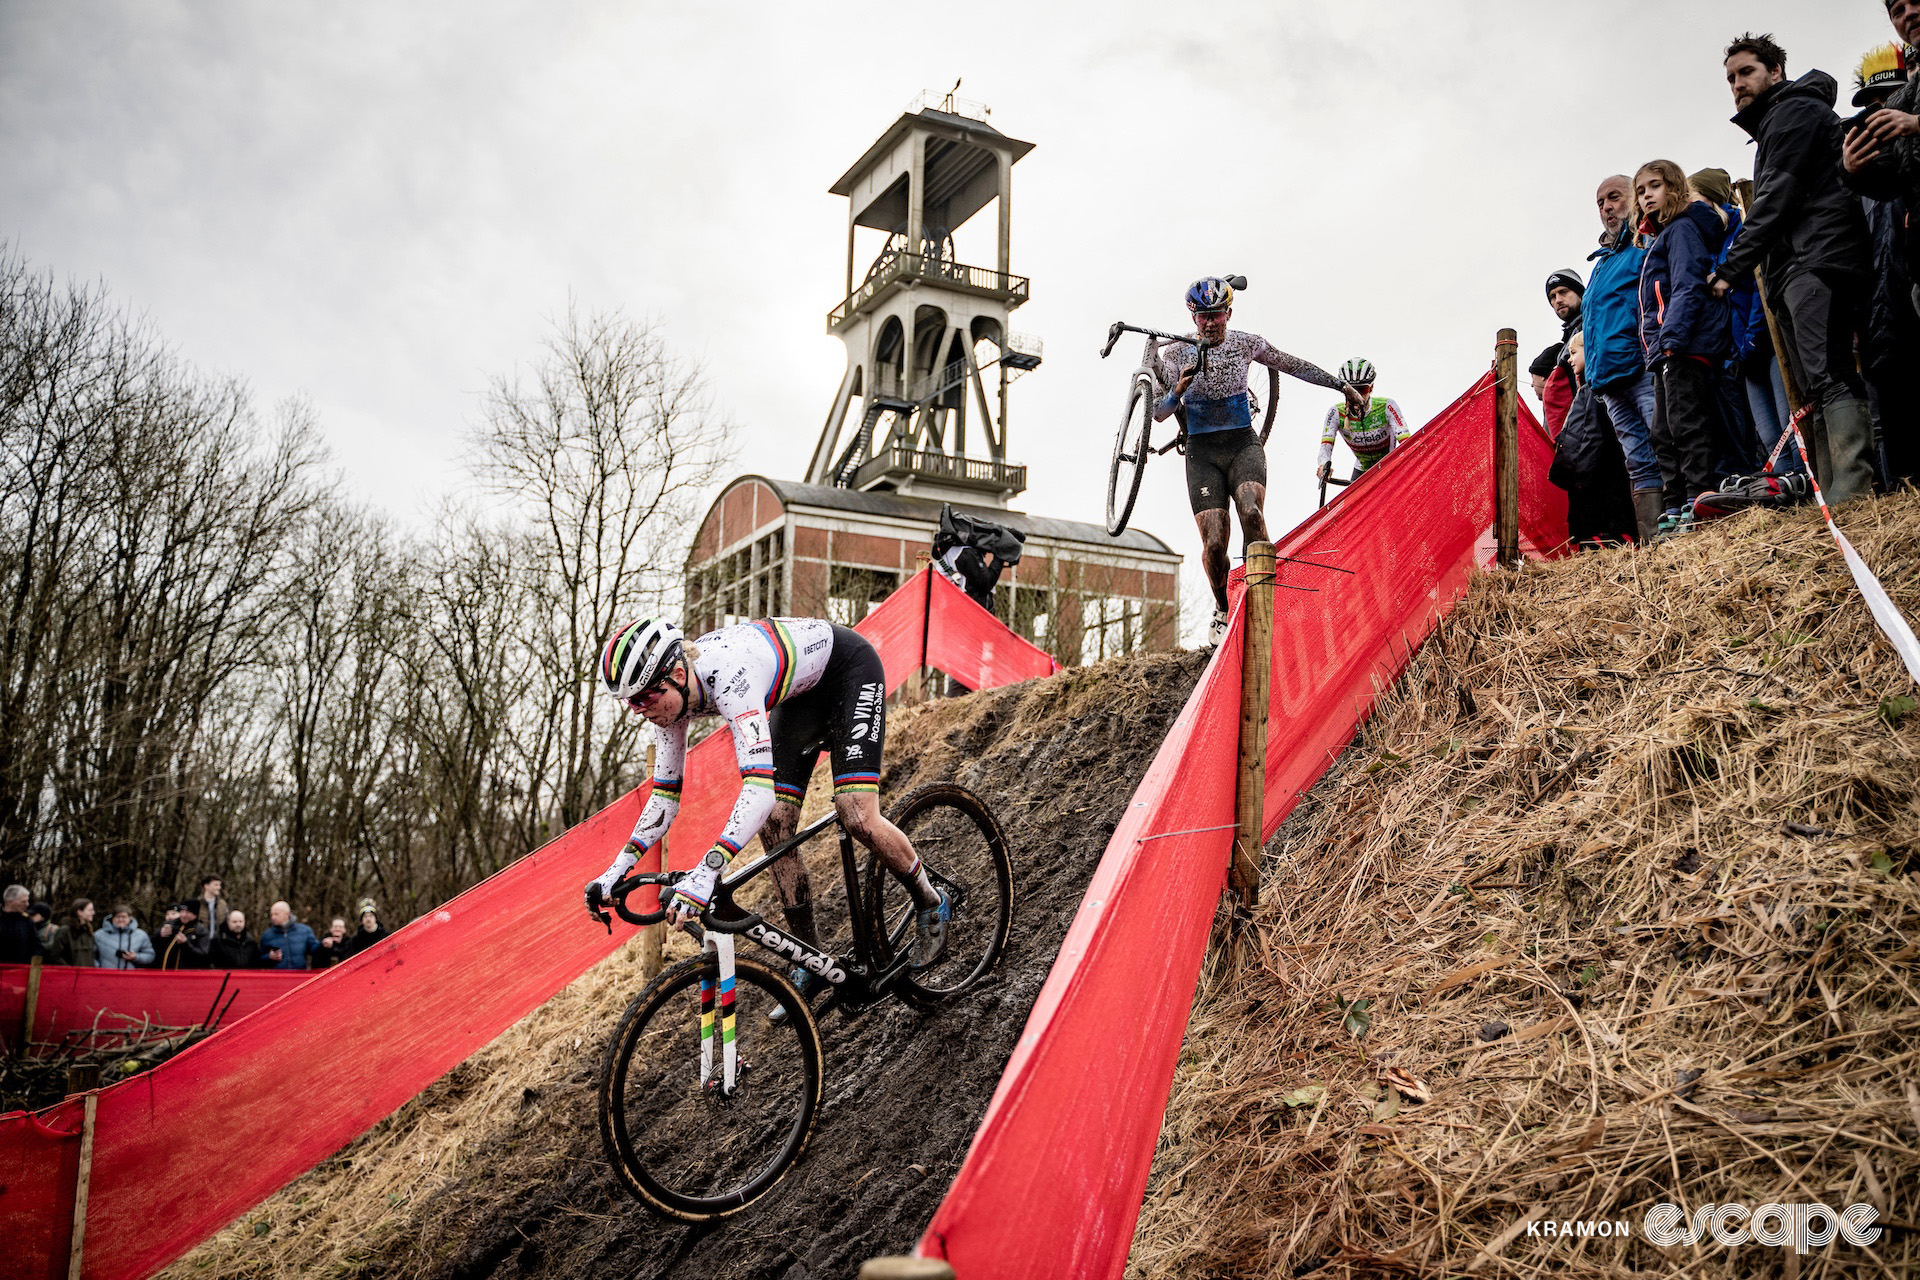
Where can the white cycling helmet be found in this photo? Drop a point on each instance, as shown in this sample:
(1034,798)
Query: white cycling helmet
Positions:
(639,654)
(1358,372)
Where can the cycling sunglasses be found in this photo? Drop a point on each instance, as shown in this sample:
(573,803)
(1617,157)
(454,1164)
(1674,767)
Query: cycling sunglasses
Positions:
(655,690)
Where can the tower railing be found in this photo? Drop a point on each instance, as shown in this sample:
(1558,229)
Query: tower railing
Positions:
(1004,285)
(981,473)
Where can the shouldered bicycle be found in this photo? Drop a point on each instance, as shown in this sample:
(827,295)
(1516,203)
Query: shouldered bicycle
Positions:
(1133,444)
(705,1101)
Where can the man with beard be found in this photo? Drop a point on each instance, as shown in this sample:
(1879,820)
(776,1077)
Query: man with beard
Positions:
(1807,236)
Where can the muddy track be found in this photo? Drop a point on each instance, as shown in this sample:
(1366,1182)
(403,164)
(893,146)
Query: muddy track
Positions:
(1056,760)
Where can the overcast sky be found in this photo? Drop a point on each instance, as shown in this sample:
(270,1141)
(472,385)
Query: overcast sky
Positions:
(380,206)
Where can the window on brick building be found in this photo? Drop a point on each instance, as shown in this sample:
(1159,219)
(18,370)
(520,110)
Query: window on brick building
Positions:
(853,593)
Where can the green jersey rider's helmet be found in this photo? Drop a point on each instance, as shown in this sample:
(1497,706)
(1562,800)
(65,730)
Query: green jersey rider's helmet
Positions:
(1358,372)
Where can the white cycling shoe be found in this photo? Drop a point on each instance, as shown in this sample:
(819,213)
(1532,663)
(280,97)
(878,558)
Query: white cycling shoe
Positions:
(1218,631)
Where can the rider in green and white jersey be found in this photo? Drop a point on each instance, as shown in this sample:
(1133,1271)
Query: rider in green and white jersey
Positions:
(1371,432)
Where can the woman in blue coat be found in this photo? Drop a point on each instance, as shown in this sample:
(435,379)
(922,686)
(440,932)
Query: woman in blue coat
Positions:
(1685,333)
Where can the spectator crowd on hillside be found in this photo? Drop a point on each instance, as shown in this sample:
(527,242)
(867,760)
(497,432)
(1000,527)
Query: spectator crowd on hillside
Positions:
(1716,314)
(202,932)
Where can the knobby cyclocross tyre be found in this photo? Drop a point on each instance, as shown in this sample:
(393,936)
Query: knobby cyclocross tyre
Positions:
(683,1150)
(965,852)
(1129,457)
(1273,404)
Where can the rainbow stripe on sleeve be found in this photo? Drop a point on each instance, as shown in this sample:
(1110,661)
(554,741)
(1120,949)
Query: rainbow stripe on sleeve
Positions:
(757,776)
(667,789)
(846,783)
(787,791)
(783,649)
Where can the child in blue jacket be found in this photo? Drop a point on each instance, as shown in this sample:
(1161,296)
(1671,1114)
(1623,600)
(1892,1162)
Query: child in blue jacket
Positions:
(1685,333)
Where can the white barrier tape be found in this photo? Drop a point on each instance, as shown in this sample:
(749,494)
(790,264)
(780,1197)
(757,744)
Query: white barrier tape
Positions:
(1879,604)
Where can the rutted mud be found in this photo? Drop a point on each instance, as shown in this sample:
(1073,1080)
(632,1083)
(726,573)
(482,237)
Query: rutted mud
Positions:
(527,1192)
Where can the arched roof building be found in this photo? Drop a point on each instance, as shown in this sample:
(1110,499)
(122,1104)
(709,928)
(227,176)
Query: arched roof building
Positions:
(772,546)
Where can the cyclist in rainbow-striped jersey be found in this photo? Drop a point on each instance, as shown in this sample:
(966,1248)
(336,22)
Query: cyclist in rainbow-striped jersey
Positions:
(787,688)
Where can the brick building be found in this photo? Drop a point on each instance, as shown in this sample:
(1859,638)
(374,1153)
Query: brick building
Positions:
(781,547)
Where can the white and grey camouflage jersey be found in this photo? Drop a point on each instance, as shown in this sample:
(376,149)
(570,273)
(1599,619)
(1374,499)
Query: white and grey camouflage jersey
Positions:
(1217,399)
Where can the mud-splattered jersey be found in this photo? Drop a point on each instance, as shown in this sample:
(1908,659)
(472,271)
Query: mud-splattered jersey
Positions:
(1217,399)
(1370,436)
(743,673)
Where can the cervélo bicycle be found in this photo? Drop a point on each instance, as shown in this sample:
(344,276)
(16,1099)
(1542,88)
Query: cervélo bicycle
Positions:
(705,1101)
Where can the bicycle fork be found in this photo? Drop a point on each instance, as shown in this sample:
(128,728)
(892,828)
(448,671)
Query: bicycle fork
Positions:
(719,980)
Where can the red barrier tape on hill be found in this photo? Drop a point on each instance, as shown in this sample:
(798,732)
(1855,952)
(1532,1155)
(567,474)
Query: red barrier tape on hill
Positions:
(71,998)
(1053,1182)
(326,1062)
(972,646)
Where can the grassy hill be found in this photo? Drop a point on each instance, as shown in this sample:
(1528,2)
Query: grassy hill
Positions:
(1614,902)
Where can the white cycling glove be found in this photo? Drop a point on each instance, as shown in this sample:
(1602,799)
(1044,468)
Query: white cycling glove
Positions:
(600,886)
(693,891)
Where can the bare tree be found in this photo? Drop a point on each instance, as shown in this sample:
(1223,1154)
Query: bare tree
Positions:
(604,448)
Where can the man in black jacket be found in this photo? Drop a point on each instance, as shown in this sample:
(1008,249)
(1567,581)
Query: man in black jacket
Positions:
(1808,236)
(1881,161)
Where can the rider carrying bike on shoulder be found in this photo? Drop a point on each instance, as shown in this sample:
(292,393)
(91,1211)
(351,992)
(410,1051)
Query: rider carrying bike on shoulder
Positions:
(1224,456)
(787,687)
(1371,429)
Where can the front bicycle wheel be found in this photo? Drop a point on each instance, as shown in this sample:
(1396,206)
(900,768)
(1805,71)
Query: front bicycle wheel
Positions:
(688,1150)
(965,853)
(1129,456)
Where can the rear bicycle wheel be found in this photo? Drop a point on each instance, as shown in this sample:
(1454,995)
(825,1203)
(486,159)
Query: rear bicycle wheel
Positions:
(965,853)
(1273,404)
(683,1149)
(1130,448)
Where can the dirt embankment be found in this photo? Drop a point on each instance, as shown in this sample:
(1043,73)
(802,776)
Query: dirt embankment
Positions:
(497,1170)
(1615,903)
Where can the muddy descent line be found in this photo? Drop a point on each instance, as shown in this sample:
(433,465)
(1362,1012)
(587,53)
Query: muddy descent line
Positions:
(1056,760)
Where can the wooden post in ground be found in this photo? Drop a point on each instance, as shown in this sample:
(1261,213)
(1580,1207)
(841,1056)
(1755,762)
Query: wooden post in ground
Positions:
(81,1183)
(1506,448)
(1256,673)
(905,1269)
(653,937)
(1743,196)
(33,1004)
(83,1076)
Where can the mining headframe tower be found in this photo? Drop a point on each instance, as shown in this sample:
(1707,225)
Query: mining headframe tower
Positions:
(913,425)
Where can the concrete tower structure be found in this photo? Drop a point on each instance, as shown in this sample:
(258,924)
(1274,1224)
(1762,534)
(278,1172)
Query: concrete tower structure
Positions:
(922,329)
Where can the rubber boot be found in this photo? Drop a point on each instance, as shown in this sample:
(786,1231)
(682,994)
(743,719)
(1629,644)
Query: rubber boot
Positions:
(1849,450)
(1648,504)
(1813,429)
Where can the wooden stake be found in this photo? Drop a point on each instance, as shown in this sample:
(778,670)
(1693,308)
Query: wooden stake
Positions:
(33,1004)
(1256,672)
(1506,448)
(653,937)
(905,1269)
(1743,195)
(80,1187)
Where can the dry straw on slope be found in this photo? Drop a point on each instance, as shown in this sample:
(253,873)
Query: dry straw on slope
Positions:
(1622,878)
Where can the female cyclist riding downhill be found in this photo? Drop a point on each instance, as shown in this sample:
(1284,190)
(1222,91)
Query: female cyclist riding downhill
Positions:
(786,687)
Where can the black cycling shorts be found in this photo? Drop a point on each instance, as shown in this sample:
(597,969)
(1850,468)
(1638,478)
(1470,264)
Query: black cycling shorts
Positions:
(1218,463)
(846,713)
